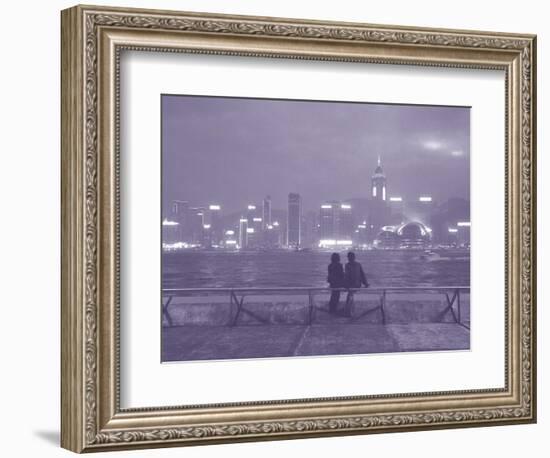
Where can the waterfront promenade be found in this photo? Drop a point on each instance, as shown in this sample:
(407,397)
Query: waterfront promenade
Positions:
(241,324)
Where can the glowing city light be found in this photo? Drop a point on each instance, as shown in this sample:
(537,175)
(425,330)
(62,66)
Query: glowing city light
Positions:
(230,232)
(250,230)
(331,242)
(243,220)
(396,199)
(270,227)
(453,230)
(175,246)
(230,242)
(362,226)
(463,224)
(252,207)
(326,206)
(214,207)
(165,222)
(425,199)
(276,223)
(257,220)
(345,207)
(206,226)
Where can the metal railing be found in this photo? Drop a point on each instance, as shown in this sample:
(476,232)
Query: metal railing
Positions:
(236,296)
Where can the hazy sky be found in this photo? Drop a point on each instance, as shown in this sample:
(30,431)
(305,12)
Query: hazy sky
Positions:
(234,151)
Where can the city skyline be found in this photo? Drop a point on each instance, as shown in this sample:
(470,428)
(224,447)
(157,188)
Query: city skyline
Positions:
(244,147)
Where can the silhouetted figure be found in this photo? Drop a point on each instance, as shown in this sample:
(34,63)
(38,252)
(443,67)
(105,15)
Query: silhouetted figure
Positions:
(336,279)
(354,278)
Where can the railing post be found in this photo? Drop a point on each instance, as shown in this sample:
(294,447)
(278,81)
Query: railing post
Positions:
(458,306)
(239,307)
(450,303)
(165,311)
(231,302)
(382,305)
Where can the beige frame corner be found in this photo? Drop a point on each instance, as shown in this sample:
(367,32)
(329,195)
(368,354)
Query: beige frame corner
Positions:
(92,39)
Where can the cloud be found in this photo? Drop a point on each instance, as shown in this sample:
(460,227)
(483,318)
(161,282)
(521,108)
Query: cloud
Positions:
(433,145)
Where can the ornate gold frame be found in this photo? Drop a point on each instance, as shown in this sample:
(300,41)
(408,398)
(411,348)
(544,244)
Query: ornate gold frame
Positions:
(92,38)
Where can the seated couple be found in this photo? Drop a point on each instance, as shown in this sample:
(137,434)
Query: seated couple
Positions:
(352,277)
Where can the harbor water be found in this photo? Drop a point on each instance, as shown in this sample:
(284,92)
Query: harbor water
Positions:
(261,269)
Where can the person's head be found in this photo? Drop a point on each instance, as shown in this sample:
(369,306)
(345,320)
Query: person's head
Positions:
(351,256)
(335,258)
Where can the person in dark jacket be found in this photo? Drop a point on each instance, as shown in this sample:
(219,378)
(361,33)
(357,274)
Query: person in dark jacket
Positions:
(354,278)
(336,279)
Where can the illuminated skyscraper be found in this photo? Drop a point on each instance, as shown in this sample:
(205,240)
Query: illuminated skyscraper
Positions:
(328,220)
(294,224)
(346,227)
(336,221)
(197,224)
(243,235)
(397,214)
(180,214)
(378,183)
(266,212)
(254,217)
(215,221)
(379,212)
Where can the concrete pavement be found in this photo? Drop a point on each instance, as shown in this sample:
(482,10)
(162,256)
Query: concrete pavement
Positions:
(206,328)
(185,343)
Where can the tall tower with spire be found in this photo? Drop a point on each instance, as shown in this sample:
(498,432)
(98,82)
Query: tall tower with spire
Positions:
(378,183)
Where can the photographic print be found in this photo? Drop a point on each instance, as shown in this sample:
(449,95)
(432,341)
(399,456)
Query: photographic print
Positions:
(229,213)
(302,228)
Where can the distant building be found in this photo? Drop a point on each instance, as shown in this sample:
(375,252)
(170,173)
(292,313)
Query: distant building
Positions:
(346,226)
(310,229)
(255,225)
(397,209)
(180,214)
(243,234)
(410,235)
(266,212)
(378,183)
(420,209)
(328,220)
(446,216)
(170,232)
(463,233)
(197,225)
(336,221)
(294,218)
(379,212)
(216,223)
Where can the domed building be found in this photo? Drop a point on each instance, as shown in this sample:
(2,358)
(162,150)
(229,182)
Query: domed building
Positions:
(414,235)
(410,235)
(387,239)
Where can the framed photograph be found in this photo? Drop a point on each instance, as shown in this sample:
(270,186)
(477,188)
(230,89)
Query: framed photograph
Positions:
(278,228)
